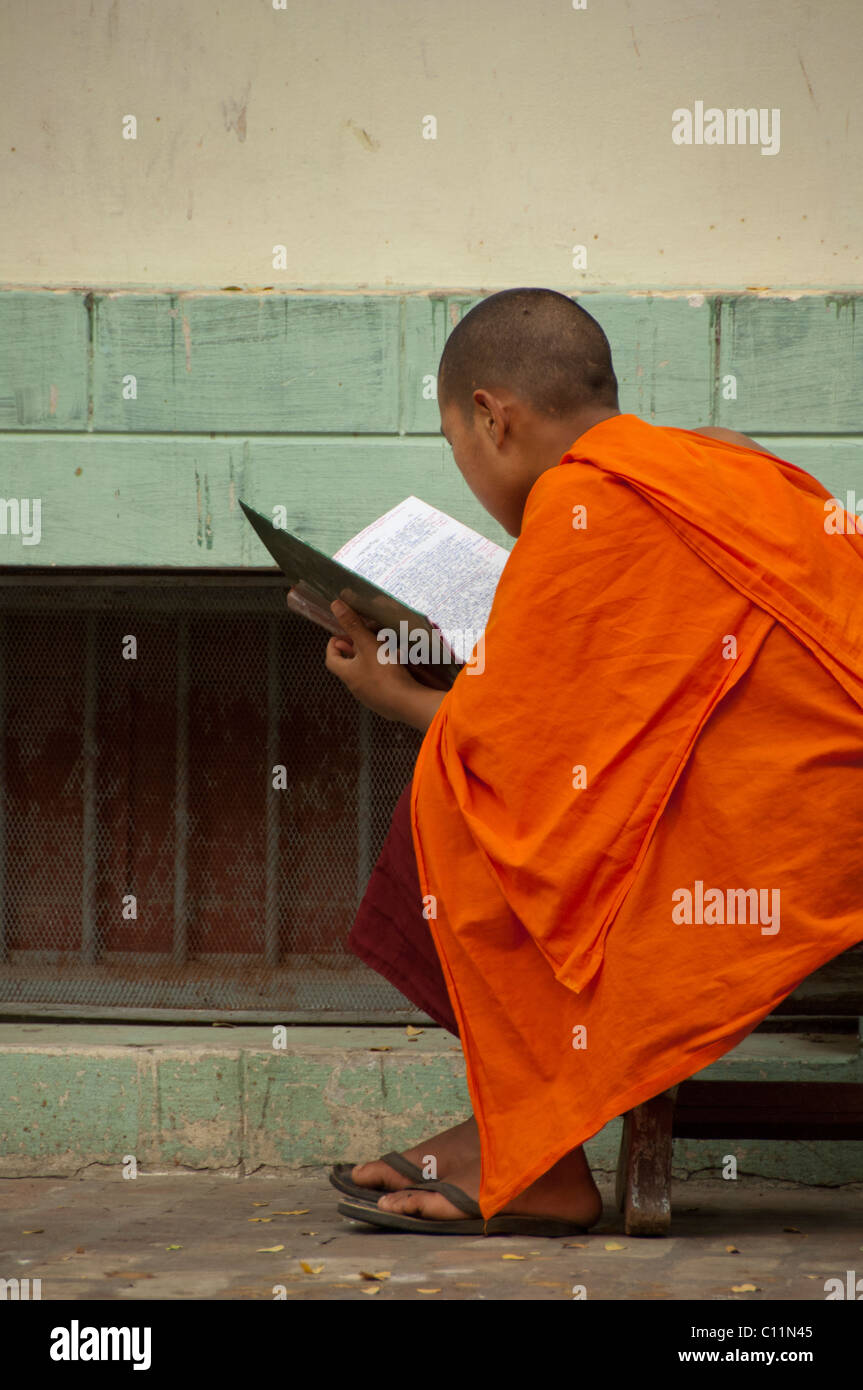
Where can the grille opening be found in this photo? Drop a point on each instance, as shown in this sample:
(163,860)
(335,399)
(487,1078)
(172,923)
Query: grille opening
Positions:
(151,777)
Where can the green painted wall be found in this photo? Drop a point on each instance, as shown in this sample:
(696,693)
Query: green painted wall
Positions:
(321,403)
(79,1094)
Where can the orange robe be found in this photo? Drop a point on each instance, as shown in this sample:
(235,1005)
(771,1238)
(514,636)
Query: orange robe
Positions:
(696,646)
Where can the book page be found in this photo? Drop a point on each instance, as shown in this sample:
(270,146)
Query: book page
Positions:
(432,563)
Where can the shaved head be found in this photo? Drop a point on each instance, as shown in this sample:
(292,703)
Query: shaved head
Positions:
(536,343)
(521,377)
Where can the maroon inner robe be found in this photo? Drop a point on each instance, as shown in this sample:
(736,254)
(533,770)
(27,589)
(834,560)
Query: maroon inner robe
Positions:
(390,932)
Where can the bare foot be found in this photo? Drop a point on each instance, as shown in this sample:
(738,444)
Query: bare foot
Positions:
(567,1192)
(453,1150)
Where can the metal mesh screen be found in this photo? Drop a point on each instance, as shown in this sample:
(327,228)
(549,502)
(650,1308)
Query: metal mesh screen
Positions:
(146,858)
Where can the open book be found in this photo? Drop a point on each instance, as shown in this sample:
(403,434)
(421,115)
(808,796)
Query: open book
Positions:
(422,580)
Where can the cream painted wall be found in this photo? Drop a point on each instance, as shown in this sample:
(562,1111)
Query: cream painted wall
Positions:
(303,127)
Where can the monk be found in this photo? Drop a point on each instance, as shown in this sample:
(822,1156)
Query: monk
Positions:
(636,826)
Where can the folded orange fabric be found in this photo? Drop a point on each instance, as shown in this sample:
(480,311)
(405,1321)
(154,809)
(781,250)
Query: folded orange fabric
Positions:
(641,824)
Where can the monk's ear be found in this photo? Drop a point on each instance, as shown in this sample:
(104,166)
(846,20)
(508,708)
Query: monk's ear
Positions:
(493,415)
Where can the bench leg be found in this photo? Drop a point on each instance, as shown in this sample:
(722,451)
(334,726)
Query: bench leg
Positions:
(644,1166)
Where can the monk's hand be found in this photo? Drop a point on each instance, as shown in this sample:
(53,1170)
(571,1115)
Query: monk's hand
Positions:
(383,686)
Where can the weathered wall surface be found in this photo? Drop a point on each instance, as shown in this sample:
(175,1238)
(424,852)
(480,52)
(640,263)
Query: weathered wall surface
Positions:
(399,143)
(137,421)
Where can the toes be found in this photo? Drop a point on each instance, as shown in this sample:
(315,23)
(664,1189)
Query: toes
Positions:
(377,1175)
(372,1174)
(406,1202)
(397,1201)
(432,1205)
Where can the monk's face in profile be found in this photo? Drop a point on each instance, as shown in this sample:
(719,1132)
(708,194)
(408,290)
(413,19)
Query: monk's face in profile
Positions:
(497,462)
(506,445)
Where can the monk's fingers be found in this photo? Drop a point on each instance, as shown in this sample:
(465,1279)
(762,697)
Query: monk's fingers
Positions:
(339,650)
(353,624)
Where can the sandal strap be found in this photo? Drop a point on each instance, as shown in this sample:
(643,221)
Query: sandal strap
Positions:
(404,1166)
(453,1194)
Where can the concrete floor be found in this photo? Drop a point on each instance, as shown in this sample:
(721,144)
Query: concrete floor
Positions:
(103,1238)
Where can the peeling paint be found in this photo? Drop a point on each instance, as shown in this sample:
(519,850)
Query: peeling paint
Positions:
(321,1101)
(367,141)
(296,290)
(840,302)
(199,505)
(209,515)
(234,114)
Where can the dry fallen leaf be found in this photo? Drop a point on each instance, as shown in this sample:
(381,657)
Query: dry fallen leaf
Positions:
(300,1211)
(375,1288)
(269,1249)
(743,1288)
(797,1231)
(428,1290)
(79,1250)
(575,1244)
(260,1204)
(732,1249)
(305,1266)
(513,1257)
(37,1231)
(614,1245)
(259,1218)
(382,1274)
(380,1049)
(413,1032)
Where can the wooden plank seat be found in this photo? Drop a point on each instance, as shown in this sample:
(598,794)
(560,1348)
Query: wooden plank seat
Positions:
(743,1109)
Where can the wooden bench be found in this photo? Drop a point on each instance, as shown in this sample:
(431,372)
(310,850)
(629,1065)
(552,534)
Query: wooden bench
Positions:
(828,999)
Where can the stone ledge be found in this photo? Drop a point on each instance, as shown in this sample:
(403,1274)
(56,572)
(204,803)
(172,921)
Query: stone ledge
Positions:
(224,1100)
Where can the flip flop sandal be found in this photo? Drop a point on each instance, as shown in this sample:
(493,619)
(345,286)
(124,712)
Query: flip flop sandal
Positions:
(475,1225)
(340,1177)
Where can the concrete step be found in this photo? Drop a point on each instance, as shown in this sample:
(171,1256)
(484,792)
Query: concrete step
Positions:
(249,1099)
